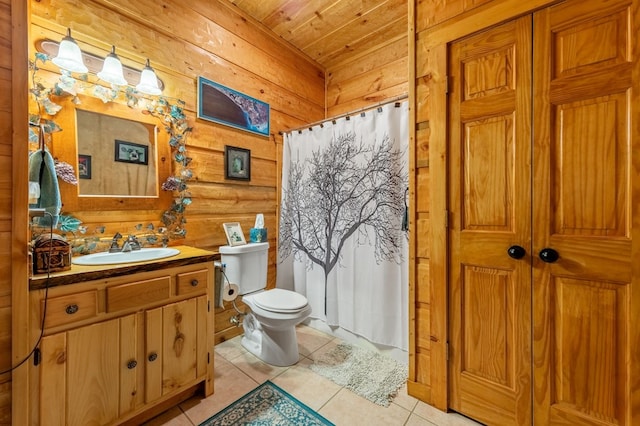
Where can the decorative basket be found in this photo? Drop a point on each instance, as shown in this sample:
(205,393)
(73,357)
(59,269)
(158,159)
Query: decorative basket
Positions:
(51,253)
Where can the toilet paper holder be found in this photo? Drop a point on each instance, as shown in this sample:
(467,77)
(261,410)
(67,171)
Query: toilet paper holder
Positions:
(230,292)
(225,292)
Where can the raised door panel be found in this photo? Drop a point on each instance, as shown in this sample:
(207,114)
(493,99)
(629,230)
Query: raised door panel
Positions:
(585,329)
(93,374)
(489,147)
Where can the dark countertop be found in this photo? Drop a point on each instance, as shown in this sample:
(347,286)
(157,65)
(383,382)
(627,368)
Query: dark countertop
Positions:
(81,273)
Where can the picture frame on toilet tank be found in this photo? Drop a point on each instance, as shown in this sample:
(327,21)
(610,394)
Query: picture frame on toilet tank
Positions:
(235,237)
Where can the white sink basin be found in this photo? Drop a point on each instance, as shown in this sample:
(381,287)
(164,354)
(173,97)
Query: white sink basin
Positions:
(106,258)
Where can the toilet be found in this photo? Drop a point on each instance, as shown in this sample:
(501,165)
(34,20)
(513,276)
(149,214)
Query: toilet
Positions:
(270,327)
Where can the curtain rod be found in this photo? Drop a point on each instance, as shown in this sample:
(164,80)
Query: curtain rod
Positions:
(348,114)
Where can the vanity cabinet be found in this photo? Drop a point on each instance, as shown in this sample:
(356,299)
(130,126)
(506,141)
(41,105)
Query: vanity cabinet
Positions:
(115,348)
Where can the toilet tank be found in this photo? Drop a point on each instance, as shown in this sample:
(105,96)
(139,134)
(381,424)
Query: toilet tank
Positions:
(246,265)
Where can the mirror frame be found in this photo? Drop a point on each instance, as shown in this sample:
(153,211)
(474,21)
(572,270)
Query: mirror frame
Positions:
(64,147)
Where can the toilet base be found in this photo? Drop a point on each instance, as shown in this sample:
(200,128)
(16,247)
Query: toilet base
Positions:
(277,347)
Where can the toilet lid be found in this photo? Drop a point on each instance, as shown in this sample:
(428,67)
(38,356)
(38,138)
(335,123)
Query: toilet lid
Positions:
(280,300)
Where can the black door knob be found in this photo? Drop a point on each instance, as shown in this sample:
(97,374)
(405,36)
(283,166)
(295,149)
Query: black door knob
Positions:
(549,255)
(516,252)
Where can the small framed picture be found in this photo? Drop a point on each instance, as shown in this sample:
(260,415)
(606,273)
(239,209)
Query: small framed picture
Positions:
(129,152)
(235,237)
(84,166)
(237,163)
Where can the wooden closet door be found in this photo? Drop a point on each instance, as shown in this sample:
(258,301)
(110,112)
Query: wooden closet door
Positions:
(490,212)
(586,303)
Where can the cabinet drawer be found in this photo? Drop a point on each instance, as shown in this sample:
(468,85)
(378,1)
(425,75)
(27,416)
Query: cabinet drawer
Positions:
(73,307)
(193,282)
(137,294)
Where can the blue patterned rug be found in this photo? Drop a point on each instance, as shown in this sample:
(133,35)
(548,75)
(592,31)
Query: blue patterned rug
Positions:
(267,405)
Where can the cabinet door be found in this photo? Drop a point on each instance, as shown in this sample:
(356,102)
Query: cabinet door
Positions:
(490,291)
(153,354)
(86,377)
(172,339)
(179,350)
(52,390)
(131,363)
(93,374)
(586,155)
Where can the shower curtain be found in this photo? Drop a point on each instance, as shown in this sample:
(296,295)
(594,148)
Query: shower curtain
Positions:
(343,239)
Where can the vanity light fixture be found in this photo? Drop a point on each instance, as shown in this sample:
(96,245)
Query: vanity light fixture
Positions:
(112,69)
(148,81)
(69,55)
(95,64)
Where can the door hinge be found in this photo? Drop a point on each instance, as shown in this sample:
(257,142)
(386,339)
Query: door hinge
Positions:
(208,357)
(208,305)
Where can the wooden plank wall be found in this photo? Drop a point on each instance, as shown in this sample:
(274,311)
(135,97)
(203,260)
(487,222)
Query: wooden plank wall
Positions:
(371,76)
(6,118)
(184,41)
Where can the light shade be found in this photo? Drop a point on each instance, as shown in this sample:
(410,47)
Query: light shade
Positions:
(69,56)
(148,81)
(112,69)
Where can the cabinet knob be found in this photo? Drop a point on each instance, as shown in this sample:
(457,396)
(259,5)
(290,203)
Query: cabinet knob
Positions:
(194,283)
(132,364)
(153,356)
(548,255)
(516,252)
(71,309)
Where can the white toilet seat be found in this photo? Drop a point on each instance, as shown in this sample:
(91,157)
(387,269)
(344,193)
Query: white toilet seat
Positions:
(280,300)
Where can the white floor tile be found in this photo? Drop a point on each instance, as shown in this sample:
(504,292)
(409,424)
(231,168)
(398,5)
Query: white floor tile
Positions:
(237,372)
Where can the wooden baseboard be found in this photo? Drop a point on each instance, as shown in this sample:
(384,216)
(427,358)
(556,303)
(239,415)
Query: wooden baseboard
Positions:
(227,334)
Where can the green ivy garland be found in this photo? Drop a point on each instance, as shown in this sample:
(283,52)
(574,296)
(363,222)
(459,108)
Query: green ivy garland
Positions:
(171,116)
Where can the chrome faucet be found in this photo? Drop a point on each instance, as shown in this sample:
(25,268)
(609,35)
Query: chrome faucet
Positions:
(114,248)
(130,244)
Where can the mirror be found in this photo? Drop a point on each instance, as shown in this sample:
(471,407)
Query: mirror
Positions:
(120,155)
(116,156)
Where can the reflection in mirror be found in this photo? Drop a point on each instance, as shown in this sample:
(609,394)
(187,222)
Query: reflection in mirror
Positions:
(116,156)
(120,155)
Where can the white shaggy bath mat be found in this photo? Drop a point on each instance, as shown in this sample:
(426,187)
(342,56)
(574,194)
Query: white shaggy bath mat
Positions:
(367,373)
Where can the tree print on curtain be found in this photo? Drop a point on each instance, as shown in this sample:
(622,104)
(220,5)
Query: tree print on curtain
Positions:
(347,189)
(341,238)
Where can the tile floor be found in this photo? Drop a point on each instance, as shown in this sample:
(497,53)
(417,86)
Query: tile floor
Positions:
(237,372)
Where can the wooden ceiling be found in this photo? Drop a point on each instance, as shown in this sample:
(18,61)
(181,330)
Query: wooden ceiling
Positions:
(331,31)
